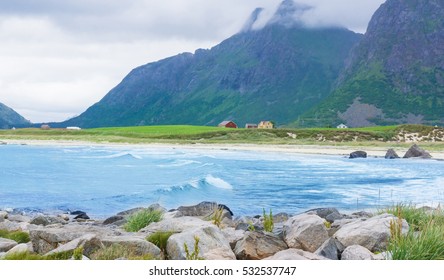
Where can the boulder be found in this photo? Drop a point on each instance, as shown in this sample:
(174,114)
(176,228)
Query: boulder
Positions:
(47,220)
(372,234)
(19,218)
(258,245)
(19,248)
(77,212)
(89,242)
(130,211)
(306,231)
(13,226)
(330,214)
(115,220)
(204,209)
(176,225)
(330,249)
(137,245)
(416,152)
(3,215)
(357,252)
(7,244)
(391,154)
(212,244)
(358,154)
(47,239)
(294,254)
(82,216)
(233,235)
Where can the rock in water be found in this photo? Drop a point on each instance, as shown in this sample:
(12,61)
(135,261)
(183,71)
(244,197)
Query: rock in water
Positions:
(391,154)
(416,152)
(358,154)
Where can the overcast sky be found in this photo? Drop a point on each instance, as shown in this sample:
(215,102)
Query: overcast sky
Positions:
(57,58)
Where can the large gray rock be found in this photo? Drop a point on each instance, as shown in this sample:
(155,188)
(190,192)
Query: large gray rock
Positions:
(372,234)
(212,244)
(330,214)
(258,245)
(137,245)
(204,209)
(295,254)
(391,154)
(357,252)
(176,225)
(19,248)
(13,226)
(89,242)
(330,249)
(47,220)
(19,218)
(306,231)
(358,154)
(6,244)
(233,235)
(47,239)
(416,152)
(3,215)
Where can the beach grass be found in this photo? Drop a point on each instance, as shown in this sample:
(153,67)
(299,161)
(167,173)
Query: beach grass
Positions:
(141,219)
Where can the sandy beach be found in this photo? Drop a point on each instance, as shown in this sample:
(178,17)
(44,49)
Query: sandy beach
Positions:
(299,149)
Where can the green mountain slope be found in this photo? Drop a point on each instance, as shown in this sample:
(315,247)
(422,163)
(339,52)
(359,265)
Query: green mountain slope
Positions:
(275,73)
(395,74)
(9,118)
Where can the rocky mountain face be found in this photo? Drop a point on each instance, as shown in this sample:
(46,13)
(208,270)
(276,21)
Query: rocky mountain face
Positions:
(10,118)
(278,73)
(395,74)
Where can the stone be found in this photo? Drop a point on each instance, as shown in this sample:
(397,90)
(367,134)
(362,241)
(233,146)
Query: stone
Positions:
(306,231)
(416,152)
(6,244)
(47,239)
(233,235)
(117,220)
(280,218)
(258,245)
(358,154)
(204,209)
(3,215)
(75,213)
(89,242)
(330,249)
(82,216)
(294,254)
(330,214)
(176,225)
(19,218)
(13,226)
(130,211)
(137,245)
(212,244)
(372,233)
(19,248)
(357,252)
(391,154)
(47,220)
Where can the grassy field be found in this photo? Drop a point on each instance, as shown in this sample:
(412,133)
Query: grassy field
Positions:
(369,136)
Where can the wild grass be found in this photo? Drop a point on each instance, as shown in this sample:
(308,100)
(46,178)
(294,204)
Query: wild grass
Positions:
(195,254)
(118,251)
(17,236)
(160,239)
(141,219)
(268,221)
(217,216)
(35,257)
(425,239)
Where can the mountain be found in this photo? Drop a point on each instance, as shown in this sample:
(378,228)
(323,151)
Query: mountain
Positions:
(10,118)
(396,72)
(277,73)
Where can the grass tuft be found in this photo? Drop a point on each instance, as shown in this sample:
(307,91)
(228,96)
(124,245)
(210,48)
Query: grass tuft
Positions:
(160,239)
(118,251)
(141,219)
(17,236)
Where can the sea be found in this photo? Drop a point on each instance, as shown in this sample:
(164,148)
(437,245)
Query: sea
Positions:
(103,181)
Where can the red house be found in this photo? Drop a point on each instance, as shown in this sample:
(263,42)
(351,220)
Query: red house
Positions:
(228,124)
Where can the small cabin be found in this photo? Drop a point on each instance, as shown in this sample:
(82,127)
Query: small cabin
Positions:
(342,126)
(45,127)
(228,124)
(250,125)
(265,125)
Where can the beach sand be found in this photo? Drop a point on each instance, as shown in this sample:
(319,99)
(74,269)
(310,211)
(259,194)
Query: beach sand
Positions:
(299,149)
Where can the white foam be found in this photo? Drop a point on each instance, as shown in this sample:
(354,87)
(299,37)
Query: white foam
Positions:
(218,183)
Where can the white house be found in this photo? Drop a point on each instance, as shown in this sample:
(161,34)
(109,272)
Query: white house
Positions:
(342,126)
(73,128)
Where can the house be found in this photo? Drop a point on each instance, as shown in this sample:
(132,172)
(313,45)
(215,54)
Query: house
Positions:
(228,124)
(45,127)
(73,128)
(342,126)
(265,125)
(250,125)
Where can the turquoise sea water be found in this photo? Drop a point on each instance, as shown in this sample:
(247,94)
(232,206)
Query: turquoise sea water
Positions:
(105,180)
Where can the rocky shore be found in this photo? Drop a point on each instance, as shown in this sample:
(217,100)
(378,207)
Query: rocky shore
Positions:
(209,231)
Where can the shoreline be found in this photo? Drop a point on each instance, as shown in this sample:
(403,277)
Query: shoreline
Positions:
(274,148)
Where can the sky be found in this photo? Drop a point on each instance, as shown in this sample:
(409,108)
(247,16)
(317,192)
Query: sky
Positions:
(57,58)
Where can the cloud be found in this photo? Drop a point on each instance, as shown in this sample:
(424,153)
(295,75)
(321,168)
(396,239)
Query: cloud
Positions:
(60,57)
